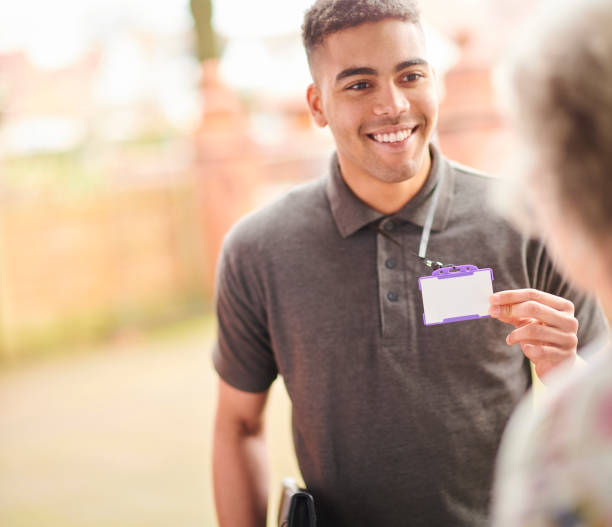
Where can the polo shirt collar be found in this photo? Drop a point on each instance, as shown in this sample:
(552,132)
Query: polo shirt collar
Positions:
(351,214)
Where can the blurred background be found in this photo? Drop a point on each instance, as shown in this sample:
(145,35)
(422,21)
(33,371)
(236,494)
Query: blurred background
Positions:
(132,136)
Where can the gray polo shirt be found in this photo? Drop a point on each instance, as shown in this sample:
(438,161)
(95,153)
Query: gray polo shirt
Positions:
(394,423)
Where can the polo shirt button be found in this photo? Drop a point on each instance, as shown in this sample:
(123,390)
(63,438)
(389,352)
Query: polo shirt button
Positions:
(392,296)
(389,226)
(390,263)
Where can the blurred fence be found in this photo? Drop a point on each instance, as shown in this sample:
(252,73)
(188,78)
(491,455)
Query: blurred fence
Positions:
(81,268)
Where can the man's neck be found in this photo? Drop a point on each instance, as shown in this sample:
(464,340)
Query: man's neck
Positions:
(387,198)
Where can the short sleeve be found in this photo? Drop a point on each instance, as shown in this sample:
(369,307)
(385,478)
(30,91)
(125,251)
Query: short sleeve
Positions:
(242,354)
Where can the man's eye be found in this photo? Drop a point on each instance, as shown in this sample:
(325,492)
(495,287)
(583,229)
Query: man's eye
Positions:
(411,77)
(362,85)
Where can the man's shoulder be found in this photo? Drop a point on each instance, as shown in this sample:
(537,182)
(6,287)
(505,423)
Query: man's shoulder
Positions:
(470,178)
(279,219)
(469,171)
(473,190)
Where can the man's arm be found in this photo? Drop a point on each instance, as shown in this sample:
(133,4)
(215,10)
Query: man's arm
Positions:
(240,465)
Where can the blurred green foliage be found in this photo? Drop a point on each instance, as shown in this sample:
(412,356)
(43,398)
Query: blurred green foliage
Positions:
(66,172)
(206,44)
(81,171)
(79,330)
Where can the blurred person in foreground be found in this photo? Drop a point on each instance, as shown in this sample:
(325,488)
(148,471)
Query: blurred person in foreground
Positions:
(394,423)
(555,465)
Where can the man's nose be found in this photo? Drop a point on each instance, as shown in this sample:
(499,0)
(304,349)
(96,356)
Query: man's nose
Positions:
(390,101)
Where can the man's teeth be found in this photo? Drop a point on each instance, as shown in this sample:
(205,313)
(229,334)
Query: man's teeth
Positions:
(392,138)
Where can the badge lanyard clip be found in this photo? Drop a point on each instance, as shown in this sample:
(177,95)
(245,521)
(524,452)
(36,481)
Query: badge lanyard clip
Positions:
(431,212)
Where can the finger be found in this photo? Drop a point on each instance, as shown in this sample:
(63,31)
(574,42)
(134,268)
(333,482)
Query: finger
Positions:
(515,296)
(536,352)
(534,310)
(505,313)
(532,351)
(541,333)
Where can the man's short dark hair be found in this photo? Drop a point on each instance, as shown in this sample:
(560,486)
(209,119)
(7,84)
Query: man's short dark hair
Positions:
(328,16)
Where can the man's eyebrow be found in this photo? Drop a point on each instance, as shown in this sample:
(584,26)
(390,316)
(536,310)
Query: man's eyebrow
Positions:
(364,70)
(350,72)
(409,63)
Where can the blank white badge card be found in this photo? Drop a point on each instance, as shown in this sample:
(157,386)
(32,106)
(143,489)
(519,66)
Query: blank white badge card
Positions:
(454,294)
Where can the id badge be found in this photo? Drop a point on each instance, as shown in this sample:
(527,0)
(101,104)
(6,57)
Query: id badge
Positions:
(453,294)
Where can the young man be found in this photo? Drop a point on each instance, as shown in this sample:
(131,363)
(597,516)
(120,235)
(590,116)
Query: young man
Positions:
(394,423)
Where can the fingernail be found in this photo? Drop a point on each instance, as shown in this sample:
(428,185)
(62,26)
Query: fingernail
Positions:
(508,340)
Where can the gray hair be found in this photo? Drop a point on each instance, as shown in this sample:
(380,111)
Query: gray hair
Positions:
(560,83)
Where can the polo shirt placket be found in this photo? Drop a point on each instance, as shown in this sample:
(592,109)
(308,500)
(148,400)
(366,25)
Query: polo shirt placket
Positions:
(397,263)
(391,282)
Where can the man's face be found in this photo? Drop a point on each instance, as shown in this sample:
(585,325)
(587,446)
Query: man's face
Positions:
(377,93)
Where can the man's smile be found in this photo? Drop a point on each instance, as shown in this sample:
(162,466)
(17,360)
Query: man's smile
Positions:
(394,136)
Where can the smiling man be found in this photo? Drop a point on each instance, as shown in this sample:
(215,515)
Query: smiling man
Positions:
(394,423)
(381,108)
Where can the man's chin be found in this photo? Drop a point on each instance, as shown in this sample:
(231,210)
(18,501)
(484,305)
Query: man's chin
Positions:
(397,169)
(395,174)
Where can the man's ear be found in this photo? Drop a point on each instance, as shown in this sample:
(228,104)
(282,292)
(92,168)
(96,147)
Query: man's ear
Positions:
(313,96)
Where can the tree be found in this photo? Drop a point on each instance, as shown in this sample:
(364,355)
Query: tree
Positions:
(206,44)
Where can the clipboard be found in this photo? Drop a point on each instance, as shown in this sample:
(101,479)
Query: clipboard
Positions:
(455,294)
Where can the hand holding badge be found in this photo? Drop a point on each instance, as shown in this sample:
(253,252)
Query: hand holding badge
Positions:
(546,327)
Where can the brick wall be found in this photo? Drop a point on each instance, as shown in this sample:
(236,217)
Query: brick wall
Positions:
(90,265)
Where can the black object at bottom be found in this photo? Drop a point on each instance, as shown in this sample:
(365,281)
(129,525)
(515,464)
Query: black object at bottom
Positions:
(296,508)
(302,510)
